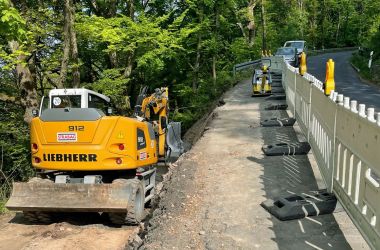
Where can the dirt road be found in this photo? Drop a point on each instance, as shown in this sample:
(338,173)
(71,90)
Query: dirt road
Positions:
(84,231)
(213,199)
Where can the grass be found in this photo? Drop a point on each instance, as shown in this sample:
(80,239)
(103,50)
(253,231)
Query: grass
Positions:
(361,63)
(2,207)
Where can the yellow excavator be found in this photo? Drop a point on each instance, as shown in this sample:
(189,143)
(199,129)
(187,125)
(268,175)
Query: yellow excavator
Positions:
(262,79)
(90,160)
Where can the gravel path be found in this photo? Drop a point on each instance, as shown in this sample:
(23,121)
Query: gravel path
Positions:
(212,200)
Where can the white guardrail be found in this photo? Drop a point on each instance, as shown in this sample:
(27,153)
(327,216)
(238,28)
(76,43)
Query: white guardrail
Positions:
(345,139)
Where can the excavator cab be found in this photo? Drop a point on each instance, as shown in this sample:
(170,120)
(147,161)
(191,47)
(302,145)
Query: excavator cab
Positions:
(262,79)
(75,98)
(89,160)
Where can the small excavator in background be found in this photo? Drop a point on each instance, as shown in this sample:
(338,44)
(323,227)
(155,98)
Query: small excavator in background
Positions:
(262,80)
(90,160)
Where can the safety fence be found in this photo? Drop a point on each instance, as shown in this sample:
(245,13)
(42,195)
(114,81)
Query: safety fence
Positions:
(345,140)
(246,65)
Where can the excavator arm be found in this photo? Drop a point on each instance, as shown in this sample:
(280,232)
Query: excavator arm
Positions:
(154,108)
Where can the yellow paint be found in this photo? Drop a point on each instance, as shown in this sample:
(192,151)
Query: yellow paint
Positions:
(160,108)
(329,81)
(101,137)
(303,66)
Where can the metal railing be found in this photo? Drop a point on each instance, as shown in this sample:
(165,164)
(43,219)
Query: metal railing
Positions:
(245,65)
(345,140)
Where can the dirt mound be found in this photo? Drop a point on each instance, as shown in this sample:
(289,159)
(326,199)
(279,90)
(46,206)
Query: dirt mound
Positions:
(85,231)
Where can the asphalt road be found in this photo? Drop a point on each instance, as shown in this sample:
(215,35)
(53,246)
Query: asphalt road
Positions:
(347,81)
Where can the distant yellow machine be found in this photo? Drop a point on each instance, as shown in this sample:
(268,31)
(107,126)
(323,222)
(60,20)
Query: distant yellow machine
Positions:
(89,160)
(262,80)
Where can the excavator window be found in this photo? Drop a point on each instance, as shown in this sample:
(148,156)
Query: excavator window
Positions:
(98,103)
(141,142)
(66,101)
(163,122)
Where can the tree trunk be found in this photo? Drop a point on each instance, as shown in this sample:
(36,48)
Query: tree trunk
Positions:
(130,55)
(242,29)
(27,79)
(214,71)
(251,25)
(113,59)
(197,64)
(300,5)
(131,9)
(74,47)
(337,31)
(69,45)
(66,44)
(264,25)
(129,67)
(214,56)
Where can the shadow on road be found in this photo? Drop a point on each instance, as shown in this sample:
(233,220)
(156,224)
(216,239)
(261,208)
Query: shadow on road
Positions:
(284,175)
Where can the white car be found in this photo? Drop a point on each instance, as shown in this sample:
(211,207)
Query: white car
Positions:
(300,45)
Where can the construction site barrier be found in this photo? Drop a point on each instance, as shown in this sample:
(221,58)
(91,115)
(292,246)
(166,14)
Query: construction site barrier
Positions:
(345,140)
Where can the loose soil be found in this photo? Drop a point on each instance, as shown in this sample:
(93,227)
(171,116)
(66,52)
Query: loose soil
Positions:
(84,231)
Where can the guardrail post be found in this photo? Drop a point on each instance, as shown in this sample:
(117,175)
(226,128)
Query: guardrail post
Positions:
(303,66)
(329,81)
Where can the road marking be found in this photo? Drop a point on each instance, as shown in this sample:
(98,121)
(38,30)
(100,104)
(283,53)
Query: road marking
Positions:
(301,226)
(315,221)
(312,245)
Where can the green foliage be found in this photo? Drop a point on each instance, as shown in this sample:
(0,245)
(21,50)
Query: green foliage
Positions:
(189,46)
(12,25)
(360,61)
(14,147)
(113,84)
(2,207)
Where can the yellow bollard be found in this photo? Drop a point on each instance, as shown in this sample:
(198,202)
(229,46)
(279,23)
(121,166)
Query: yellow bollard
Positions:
(262,53)
(329,82)
(303,66)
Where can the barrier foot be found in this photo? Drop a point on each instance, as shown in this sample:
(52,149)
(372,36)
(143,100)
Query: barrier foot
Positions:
(278,90)
(275,122)
(297,206)
(277,107)
(276,97)
(299,148)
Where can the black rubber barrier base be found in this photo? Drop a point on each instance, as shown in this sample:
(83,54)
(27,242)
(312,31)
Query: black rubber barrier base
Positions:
(278,90)
(277,84)
(275,122)
(292,207)
(276,97)
(261,94)
(277,107)
(299,148)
